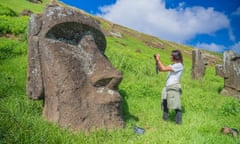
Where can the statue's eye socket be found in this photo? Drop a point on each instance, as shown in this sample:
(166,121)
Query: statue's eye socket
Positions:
(102,82)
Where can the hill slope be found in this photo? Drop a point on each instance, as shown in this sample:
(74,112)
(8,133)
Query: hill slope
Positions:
(205,112)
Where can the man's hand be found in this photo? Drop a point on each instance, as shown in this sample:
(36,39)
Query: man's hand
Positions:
(157,57)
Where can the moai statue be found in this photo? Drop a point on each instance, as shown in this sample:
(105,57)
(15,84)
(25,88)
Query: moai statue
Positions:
(67,68)
(198,64)
(230,71)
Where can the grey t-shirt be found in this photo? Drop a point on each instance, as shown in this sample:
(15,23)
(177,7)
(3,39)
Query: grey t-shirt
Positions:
(174,76)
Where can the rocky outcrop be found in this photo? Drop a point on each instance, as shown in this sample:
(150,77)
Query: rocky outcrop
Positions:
(230,71)
(26,12)
(35,1)
(67,68)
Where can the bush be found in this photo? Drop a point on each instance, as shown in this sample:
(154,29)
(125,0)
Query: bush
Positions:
(7,11)
(10,48)
(13,25)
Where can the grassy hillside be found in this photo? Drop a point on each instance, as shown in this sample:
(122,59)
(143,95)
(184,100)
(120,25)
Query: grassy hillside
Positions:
(205,112)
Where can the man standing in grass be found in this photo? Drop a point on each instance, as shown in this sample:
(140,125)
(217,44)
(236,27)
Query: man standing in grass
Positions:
(172,92)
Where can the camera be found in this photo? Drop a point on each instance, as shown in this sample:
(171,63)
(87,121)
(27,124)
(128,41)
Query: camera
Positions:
(157,69)
(155,55)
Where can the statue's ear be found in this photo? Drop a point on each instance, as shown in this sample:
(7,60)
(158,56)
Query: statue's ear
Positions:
(34,84)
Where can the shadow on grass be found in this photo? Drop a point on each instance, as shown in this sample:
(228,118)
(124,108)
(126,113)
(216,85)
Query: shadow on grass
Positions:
(220,89)
(126,114)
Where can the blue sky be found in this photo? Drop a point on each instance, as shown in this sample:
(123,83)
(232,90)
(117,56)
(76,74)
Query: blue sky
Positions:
(211,24)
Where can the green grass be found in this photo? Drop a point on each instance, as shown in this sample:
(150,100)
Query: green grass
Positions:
(19,5)
(205,112)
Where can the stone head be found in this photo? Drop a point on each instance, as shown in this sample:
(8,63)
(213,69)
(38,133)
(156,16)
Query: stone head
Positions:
(79,84)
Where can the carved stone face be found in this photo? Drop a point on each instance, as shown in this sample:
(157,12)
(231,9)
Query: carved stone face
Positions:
(230,71)
(79,83)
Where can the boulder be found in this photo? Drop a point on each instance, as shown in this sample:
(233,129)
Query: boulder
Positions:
(35,1)
(67,68)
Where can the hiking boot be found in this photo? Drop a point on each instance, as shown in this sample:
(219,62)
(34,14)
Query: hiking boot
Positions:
(178,117)
(165,116)
(165,110)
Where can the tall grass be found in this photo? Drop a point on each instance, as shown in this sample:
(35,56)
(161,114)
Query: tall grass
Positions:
(205,112)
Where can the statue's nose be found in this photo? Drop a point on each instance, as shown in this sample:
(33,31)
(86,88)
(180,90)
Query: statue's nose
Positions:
(103,74)
(106,75)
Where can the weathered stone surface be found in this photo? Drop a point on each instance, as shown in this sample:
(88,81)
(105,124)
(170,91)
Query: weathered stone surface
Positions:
(198,64)
(230,71)
(68,69)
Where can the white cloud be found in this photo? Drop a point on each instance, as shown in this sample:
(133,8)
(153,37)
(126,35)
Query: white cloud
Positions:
(236,48)
(176,24)
(237,12)
(231,35)
(211,47)
(219,48)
